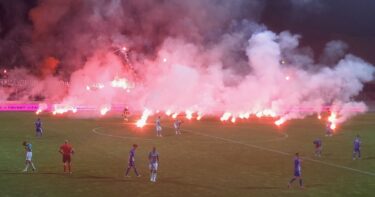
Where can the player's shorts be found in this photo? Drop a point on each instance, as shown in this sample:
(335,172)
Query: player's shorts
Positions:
(39,130)
(153,166)
(66,158)
(29,155)
(131,164)
(356,150)
(158,128)
(297,173)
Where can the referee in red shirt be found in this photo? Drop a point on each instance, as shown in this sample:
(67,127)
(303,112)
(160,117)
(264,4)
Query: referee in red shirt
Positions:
(66,150)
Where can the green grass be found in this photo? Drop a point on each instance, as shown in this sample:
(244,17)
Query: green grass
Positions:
(209,159)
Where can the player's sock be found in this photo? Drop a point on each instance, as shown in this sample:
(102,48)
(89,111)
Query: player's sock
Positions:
(32,165)
(136,172)
(292,180)
(155,174)
(300,183)
(26,167)
(64,168)
(127,171)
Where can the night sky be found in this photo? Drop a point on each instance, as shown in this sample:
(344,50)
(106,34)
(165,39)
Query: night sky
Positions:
(321,21)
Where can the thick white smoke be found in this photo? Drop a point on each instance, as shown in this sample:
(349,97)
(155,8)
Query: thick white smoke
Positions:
(181,59)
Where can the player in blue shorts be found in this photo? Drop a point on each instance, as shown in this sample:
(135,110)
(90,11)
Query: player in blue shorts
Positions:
(29,155)
(357,148)
(318,147)
(297,171)
(131,162)
(158,127)
(38,128)
(153,158)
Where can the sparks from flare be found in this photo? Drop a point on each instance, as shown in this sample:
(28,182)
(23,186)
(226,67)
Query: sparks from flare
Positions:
(174,116)
(168,112)
(142,122)
(226,116)
(189,114)
(120,83)
(41,107)
(104,110)
(96,86)
(199,117)
(280,121)
(332,119)
(61,109)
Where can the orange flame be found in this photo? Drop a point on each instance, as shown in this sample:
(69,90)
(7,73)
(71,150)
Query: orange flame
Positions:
(104,110)
(225,116)
(280,121)
(332,119)
(142,122)
(189,114)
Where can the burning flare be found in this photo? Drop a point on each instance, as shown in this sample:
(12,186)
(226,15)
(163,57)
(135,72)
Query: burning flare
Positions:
(42,107)
(280,121)
(226,116)
(189,114)
(61,109)
(104,110)
(142,122)
(332,119)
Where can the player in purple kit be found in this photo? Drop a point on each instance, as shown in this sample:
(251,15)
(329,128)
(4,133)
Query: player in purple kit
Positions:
(131,162)
(357,148)
(38,128)
(153,158)
(318,147)
(297,171)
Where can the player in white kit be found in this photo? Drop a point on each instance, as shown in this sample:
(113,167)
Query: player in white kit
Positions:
(177,124)
(153,158)
(29,155)
(158,127)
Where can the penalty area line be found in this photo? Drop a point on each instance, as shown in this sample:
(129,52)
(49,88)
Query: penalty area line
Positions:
(281,152)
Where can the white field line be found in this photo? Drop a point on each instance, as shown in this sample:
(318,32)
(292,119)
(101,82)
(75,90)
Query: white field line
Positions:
(285,135)
(281,152)
(248,145)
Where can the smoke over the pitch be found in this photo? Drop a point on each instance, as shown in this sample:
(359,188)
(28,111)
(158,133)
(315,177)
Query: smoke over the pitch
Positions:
(208,57)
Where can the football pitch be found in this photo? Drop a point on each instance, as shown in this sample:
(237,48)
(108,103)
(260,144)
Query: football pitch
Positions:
(210,158)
